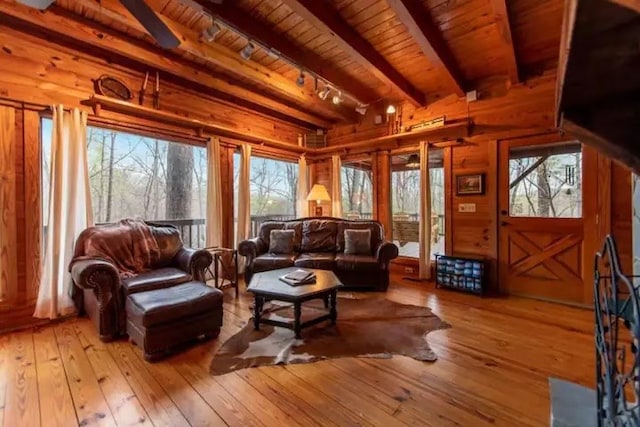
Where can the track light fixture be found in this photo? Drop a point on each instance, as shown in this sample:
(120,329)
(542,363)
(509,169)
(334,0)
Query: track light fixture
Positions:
(337,98)
(391,109)
(361,109)
(247,51)
(324,93)
(209,34)
(300,79)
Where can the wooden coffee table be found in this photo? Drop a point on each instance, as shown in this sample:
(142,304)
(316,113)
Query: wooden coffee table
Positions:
(267,286)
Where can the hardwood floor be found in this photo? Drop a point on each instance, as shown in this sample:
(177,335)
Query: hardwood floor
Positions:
(493,367)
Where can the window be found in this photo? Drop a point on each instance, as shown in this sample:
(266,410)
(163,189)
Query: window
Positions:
(546,181)
(273,185)
(405,202)
(357,190)
(133,176)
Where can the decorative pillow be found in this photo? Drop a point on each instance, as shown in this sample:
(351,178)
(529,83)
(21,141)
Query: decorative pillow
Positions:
(357,242)
(281,241)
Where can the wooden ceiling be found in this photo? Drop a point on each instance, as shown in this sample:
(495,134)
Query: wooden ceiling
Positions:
(376,50)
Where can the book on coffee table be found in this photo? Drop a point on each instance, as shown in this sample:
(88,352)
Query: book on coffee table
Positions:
(299,277)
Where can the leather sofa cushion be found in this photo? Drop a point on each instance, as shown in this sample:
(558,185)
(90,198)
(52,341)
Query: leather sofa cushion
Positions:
(376,232)
(281,241)
(170,304)
(357,262)
(319,235)
(154,279)
(264,234)
(267,262)
(322,260)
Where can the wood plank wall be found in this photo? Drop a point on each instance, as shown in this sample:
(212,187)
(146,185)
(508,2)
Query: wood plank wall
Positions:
(36,72)
(524,111)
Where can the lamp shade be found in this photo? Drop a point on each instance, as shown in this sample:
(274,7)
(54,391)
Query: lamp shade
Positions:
(319,193)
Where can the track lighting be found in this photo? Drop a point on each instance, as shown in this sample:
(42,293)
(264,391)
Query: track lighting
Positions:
(337,98)
(209,34)
(247,51)
(361,109)
(300,79)
(391,109)
(324,93)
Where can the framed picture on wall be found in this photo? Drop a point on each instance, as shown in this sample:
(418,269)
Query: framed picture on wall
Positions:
(472,184)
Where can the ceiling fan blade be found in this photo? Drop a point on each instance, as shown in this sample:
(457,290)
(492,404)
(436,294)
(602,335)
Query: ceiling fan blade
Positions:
(154,25)
(38,4)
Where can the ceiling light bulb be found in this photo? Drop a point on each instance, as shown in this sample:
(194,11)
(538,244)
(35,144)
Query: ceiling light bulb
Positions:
(391,109)
(246,51)
(324,93)
(337,98)
(300,79)
(361,109)
(209,34)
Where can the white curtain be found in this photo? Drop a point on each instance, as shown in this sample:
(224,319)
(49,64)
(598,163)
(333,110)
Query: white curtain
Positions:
(69,210)
(243,229)
(425,213)
(214,193)
(336,186)
(302,205)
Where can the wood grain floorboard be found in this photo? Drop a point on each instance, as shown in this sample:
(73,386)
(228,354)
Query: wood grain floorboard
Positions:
(492,369)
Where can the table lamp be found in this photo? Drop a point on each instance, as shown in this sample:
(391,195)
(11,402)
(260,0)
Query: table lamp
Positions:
(318,194)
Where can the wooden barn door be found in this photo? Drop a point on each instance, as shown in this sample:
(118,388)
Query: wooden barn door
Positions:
(541,226)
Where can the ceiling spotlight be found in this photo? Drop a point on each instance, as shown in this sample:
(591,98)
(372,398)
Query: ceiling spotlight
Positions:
(209,34)
(324,93)
(300,79)
(247,51)
(361,109)
(391,109)
(337,98)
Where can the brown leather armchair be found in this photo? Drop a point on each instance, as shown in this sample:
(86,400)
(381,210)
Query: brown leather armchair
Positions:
(101,291)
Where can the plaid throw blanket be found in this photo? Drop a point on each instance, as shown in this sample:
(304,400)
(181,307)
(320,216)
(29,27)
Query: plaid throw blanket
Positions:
(128,244)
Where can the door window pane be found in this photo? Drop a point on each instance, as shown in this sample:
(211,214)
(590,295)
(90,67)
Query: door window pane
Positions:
(357,190)
(134,176)
(546,181)
(405,202)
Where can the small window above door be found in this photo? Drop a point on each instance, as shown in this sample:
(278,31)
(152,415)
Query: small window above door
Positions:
(546,181)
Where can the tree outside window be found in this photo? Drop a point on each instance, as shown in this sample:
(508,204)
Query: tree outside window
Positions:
(357,189)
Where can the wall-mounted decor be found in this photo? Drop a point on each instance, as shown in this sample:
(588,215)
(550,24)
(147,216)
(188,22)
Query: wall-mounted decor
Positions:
(113,88)
(472,184)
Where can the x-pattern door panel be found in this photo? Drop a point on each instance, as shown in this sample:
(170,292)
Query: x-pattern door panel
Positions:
(541,235)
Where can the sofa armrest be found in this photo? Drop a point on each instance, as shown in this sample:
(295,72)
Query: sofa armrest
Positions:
(194,262)
(386,251)
(250,249)
(103,279)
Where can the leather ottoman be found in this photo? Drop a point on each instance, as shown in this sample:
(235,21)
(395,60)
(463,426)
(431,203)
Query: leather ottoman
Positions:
(162,320)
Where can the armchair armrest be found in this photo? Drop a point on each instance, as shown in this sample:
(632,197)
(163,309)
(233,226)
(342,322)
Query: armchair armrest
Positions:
(194,261)
(103,279)
(386,251)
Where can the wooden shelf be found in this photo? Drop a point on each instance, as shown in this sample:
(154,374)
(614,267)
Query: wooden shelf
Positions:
(449,131)
(99,102)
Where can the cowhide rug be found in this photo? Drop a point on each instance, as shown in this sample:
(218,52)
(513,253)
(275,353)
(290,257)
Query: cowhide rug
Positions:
(369,327)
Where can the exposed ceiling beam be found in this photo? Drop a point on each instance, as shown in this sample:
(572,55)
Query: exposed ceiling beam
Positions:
(327,19)
(230,61)
(229,14)
(413,16)
(62,26)
(501,15)
(629,4)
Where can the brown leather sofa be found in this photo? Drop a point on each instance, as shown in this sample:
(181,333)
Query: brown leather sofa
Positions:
(319,243)
(102,293)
